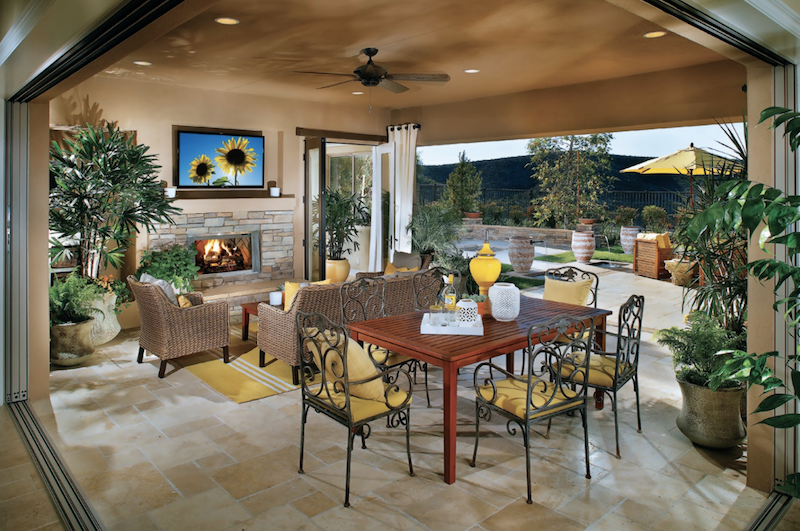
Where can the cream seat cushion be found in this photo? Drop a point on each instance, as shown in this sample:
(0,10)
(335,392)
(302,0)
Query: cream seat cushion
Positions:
(359,365)
(512,397)
(601,369)
(576,293)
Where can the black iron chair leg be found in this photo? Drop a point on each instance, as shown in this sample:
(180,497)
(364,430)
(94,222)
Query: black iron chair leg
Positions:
(408,442)
(303,418)
(477,434)
(427,391)
(526,434)
(350,438)
(616,420)
(638,411)
(586,443)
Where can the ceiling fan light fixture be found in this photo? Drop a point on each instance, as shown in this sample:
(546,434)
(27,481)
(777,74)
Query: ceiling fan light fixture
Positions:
(654,34)
(226,21)
(471,70)
(143,63)
(357,93)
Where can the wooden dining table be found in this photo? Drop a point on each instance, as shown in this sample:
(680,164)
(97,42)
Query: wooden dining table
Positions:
(401,333)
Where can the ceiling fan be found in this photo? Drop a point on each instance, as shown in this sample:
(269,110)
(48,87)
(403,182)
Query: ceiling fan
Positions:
(374,75)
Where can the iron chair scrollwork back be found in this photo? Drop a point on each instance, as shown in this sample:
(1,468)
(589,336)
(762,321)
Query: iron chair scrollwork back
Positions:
(545,391)
(574,274)
(340,382)
(610,371)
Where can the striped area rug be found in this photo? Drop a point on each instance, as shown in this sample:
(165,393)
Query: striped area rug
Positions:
(242,380)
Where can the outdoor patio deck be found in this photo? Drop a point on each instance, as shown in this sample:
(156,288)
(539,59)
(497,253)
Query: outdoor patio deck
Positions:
(174,454)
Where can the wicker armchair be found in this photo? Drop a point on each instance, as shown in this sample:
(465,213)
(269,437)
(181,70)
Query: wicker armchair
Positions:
(170,332)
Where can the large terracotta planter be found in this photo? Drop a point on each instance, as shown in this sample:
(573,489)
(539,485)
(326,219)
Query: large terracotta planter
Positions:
(521,252)
(711,418)
(627,238)
(583,245)
(106,325)
(337,270)
(71,344)
(473,215)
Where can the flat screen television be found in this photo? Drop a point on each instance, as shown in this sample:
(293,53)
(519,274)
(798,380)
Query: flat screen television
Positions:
(218,158)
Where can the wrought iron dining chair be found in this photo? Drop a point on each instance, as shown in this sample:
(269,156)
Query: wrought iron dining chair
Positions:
(586,288)
(348,388)
(545,391)
(363,299)
(428,285)
(610,371)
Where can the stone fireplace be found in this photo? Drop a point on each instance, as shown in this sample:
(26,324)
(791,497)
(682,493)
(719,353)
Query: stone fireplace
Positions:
(266,235)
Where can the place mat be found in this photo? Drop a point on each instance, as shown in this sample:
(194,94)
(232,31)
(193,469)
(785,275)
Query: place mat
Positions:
(242,380)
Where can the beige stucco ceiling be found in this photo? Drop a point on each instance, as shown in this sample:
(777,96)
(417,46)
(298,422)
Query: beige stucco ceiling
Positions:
(518,45)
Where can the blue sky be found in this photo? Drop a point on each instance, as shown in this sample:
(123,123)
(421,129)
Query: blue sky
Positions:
(650,143)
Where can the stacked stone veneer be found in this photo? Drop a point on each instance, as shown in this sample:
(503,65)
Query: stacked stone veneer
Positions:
(277,241)
(476,230)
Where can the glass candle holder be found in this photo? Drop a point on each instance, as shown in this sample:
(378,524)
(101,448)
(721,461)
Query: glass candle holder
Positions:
(437,315)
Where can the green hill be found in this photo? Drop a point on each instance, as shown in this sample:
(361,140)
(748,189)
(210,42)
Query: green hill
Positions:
(512,172)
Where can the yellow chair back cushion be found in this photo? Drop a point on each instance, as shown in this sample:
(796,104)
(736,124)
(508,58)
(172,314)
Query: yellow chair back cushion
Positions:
(391,269)
(359,366)
(291,289)
(662,239)
(576,293)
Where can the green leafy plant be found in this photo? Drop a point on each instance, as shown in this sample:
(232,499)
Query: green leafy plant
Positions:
(463,186)
(434,229)
(770,216)
(109,284)
(344,214)
(493,213)
(476,298)
(71,299)
(610,231)
(175,264)
(624,216)
(655,218)
(694,349)
(106,185)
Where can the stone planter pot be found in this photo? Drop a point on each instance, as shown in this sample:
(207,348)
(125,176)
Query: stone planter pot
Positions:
(627,238)
(583,246)
(521,252)
(71,344)
(711,418)
(106,325)
(681,271)
(337,270)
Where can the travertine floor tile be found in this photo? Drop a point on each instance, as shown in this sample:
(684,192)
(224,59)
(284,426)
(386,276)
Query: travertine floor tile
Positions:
(519,516)
(207,511)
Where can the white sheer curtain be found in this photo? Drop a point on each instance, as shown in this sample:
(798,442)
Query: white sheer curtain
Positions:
(405,138)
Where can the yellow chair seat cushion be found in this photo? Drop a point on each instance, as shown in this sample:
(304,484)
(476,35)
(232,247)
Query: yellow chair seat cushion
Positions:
(291,289)
(576,293)
(601,369)
(362,408)
(359,366)
(512,397)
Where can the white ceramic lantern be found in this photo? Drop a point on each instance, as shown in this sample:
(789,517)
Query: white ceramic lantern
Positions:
(275,298)
(504,298)
(467,311)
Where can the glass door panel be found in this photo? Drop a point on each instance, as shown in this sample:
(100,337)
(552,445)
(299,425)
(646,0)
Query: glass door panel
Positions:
(315,209)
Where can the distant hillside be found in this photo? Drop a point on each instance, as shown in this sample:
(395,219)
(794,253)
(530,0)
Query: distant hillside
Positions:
(512,172)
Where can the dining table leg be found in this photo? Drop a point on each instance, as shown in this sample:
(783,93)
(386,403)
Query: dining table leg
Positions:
(450,418)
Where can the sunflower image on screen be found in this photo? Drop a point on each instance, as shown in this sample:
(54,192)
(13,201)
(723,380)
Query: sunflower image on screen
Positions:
(201,170)
(236,158)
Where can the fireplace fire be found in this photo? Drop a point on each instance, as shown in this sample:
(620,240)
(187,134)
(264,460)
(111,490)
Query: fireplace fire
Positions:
(223,255)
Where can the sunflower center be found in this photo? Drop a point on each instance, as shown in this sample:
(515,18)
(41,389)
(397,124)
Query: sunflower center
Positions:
(235,156)
(202,169)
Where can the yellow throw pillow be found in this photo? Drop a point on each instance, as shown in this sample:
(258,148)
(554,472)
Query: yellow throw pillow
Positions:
(291,289)
(359,366)
(576,293)
(392,269)
(183,302)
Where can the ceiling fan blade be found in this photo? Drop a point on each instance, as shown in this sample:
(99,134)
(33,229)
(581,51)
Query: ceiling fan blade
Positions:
(419,77)
(339,83)
(321,73)
(391,86)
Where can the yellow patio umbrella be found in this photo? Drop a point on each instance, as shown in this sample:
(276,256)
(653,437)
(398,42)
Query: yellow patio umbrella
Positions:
(690,161)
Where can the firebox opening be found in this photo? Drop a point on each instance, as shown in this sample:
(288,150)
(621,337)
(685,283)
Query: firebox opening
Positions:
(223,255)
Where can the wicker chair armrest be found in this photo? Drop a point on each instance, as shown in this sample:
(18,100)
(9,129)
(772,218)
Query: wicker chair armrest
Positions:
(216,310)
(369,274)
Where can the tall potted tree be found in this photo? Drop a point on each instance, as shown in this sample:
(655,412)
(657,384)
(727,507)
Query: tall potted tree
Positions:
(106,185)
(344,214)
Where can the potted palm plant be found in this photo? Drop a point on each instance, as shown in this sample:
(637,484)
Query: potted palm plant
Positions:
(106,186)
(71,319)
(709,417)
(344,214)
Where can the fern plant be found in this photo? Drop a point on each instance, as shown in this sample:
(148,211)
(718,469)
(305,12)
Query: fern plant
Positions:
(175,264)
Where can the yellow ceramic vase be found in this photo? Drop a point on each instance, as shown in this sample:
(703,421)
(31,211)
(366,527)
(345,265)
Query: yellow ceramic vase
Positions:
(485,268)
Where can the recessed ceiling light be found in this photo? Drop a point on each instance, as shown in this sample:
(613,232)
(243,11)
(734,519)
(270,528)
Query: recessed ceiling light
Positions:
(357,93)
(226,21)
(142,63)
(654,34)
(471,70)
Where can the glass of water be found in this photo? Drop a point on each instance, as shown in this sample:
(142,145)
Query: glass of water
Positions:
(437,315)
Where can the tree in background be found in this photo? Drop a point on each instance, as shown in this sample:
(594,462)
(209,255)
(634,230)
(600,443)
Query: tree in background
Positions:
(463,186)
(572,171)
